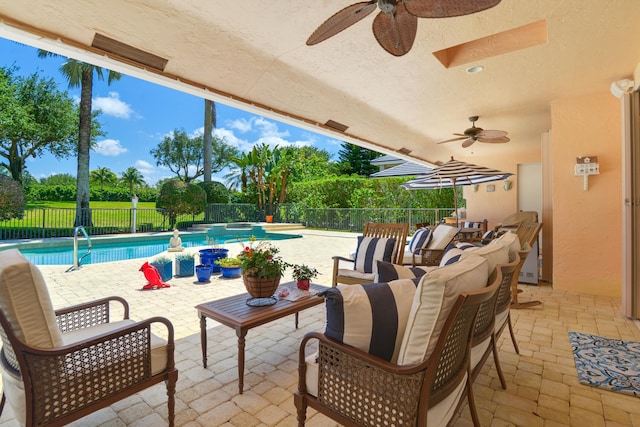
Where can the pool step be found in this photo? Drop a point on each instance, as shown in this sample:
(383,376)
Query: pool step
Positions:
(273,227)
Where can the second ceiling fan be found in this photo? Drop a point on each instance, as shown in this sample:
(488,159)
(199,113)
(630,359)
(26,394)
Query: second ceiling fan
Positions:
(396,25)
(474,134)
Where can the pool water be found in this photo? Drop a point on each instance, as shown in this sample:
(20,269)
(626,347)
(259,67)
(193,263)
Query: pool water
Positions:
(123,249)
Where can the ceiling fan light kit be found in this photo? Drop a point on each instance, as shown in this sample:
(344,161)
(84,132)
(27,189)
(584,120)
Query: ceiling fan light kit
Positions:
(396,25)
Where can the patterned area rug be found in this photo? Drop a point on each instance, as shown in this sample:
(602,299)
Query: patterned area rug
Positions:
(607,363)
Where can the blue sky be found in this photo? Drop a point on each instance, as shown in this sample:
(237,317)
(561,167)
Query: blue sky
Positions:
(136,115)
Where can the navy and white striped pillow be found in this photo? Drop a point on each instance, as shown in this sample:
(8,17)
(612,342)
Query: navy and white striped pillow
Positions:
(370,250)
(388,271)
(371,317)
(420,239)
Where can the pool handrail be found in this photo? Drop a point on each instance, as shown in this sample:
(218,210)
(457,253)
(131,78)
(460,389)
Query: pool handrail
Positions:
(77,262)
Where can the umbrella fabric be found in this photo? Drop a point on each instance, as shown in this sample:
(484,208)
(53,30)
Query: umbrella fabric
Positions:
(454,174)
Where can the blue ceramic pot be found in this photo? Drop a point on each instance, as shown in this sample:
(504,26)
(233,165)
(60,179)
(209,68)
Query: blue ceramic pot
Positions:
(209,257)
(231,272)
(203,272)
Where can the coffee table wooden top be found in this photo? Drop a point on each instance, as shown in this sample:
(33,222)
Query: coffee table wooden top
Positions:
(234,312)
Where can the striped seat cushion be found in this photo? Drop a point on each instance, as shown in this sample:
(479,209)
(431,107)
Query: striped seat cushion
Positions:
(370,317)
(370,250)
(468,224)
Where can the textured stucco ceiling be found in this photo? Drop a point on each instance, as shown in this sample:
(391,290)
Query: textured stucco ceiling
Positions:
(252,54)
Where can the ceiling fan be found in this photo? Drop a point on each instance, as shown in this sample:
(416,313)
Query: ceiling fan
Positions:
(474,134)
(396,25)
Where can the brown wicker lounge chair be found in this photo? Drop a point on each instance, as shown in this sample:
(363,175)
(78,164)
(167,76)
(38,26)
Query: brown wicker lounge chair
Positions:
(358,389)
(353,275)
(59,366)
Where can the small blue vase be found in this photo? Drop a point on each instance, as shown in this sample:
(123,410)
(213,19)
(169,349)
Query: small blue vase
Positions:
(231,272)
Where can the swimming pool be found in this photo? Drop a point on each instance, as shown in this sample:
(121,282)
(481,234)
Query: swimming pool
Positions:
(108,249)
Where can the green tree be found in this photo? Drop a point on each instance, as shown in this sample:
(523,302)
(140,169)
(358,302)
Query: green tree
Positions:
(184,155)
(59,179)
(132,177)
(238,177)
(103,176)
(80,74)
(177,198)
(35,117)
(11,198)
(357,160)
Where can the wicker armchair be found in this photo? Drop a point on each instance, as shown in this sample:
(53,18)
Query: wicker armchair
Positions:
(395,395)
(503,307)
(60,366)
(356,275)
(431,255)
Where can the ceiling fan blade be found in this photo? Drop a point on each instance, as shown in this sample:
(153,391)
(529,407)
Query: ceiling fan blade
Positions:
(447,8)
(396,31)
(341,20)
(468,143)
(498,140)
(453,139)
(492,133)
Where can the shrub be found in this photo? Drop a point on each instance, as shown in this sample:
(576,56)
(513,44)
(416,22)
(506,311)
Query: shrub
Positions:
(12,201)
(216,191)
(177,198)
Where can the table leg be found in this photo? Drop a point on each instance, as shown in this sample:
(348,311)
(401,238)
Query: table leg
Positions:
(296,320)
(241,333)
(203,339)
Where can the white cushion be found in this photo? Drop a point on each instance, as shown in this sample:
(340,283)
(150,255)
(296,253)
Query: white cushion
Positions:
(158,345)
(25,301)
(494,254)
(436,294)
(355,274)
(443,412)
(442,236)
(478,350)
(388,271)
(510,241)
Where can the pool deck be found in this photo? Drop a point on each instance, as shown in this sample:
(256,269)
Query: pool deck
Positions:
(542,386)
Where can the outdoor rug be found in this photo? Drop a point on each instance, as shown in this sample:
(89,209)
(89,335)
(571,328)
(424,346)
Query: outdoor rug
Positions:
(611,364)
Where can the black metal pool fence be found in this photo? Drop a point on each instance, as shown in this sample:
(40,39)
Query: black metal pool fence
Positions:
(59,222)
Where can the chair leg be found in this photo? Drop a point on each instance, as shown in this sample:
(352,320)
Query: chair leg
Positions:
(171,401)
(2,401)
(513,336)
(472,403)
(301,408)
(496,360)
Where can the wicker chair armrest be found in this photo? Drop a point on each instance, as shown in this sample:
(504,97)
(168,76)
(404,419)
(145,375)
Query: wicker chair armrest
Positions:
(428,257)
(96,369)
(89,314)
(345,373)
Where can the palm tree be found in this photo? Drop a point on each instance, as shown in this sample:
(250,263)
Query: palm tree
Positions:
(210,122)
(103,176)
(238,177)
(80,74)
(132,177)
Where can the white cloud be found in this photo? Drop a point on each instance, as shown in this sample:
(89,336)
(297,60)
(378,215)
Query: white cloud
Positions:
(241,125)
(109,147)
(113,106)
(269,129)
(152,173)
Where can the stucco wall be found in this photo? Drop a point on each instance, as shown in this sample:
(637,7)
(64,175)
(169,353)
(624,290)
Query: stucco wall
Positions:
(587,225)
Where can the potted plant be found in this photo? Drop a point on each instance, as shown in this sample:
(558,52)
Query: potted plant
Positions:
(303,275)
(164,266)
(185,265)
(230,267)
(262,269)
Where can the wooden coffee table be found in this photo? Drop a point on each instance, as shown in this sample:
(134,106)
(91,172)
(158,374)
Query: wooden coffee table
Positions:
(235,313)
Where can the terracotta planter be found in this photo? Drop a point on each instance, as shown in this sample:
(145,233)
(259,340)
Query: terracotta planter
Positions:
(261,287)
(269,218)
(303,284)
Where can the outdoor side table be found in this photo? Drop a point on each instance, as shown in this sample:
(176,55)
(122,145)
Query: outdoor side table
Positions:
(235,313)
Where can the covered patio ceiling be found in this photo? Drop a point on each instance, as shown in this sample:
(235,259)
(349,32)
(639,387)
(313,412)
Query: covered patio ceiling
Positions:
(251,54)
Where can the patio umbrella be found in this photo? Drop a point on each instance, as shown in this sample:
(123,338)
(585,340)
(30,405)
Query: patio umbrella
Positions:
(455,173)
